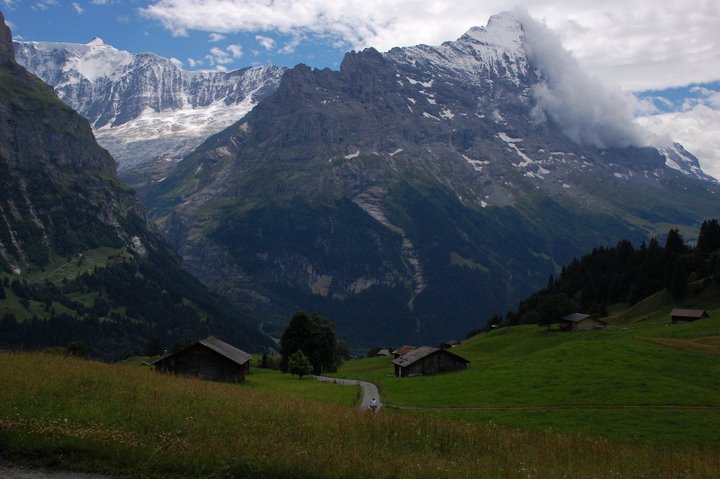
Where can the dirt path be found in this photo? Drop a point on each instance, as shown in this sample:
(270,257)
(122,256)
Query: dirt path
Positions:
(370,390)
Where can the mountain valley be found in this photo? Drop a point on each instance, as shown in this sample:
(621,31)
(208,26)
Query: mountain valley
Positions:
(409,196)
(80,259)
(412,194)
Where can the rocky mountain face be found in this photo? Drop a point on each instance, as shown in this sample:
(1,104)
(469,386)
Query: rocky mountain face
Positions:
(412,194)
(62,204)
(144,108)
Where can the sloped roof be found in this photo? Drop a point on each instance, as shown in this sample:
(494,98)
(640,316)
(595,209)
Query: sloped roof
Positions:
(401,351)
(422,352)
(575,317)
(690,313)
(224,349)
(231,352)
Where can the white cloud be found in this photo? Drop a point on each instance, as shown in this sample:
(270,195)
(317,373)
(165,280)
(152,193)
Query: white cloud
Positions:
(640,45)
(588,111)
(100,2)
(216,37)
(177,62)
(291,45)
(194,62)
(78,8)
(707,97)
(218,56)
(235,51)
(43,5)
(266,42)
(696,127)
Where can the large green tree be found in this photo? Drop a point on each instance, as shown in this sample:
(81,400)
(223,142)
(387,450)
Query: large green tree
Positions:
(315,336)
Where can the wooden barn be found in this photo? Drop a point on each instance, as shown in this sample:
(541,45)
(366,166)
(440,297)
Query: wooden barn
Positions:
(679,316)
(581,322)
(209,358)
(428,360)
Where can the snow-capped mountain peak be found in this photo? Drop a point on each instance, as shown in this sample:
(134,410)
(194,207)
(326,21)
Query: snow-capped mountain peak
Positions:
(503,30)
(142,106)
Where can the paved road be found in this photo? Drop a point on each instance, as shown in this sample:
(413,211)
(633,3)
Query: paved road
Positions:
(18,472)
(370,391)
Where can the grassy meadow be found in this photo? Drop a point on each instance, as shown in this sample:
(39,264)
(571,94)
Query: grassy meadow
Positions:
(639,380)
(69,413)
(640,398)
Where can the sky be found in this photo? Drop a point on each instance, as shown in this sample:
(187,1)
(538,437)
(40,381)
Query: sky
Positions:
(667,52)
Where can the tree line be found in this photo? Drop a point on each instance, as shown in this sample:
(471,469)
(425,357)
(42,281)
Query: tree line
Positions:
(621,274)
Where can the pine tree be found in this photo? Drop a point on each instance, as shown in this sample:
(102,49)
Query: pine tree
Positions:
(674,242)
(709,236)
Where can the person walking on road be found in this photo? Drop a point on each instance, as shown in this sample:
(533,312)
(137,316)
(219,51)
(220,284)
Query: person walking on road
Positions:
(373,404)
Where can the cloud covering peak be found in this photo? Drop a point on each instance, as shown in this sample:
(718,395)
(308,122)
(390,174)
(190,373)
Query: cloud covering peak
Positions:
(586,110)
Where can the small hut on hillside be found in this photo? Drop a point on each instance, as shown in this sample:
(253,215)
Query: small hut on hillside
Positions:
(209,358)
(679,316)
(581,322)
(450,344)
(428,360)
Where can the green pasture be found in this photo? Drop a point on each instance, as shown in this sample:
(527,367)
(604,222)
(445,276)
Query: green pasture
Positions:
(635,380)
(129,421)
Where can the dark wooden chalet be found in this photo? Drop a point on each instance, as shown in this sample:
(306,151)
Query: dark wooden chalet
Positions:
(678,316)
(428,360)
(581,322)
(209,358)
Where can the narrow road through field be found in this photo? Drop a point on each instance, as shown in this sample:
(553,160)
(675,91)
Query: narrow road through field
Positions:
(545,407)
(370,390)
(8,471)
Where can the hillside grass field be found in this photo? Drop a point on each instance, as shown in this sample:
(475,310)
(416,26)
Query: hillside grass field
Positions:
(638,380)
(640,398)
(68,413)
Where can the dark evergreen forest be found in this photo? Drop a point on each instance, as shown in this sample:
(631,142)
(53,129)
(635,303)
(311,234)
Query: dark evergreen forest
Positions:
(621,274)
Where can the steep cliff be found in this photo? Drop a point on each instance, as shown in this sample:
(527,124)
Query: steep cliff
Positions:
(78,258)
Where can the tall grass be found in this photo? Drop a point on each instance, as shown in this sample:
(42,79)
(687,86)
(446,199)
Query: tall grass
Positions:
(121,420)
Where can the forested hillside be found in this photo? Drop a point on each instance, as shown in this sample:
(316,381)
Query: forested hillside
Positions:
(623,274)
(79,261)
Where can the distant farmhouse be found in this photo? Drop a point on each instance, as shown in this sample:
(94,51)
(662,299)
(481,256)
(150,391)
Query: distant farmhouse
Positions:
(209,358)
(428,360)
(581,322)
(679,316)
(384,353)
(402,350)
